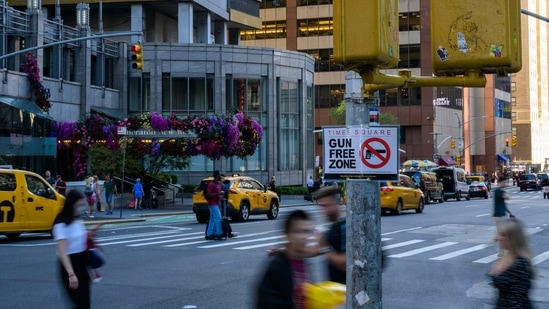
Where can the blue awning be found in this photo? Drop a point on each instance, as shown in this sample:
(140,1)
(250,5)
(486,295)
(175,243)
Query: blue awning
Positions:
(502,157)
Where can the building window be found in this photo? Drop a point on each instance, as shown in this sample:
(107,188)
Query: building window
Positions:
(324,60)
(513,101)
(329,96)
(269,30)
(270,4)
(513,86)
(289,139)
(312,2)
(409,21)
(410,56)
(514,116)
(315,27)
(139,94)
(503,83)
(249,96)
(400,97)
(310,128)
(503,109)
(187,95)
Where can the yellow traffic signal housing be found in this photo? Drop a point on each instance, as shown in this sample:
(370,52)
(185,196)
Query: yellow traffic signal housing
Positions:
(514,141)
(137,56)
(452,144)
(473,35)
(458,160)
(366,33)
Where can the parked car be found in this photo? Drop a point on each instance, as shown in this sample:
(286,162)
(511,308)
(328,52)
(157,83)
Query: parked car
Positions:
(453,182)
(480,178)
(397,196)
(528,181)
(245,196)
(543,179)
(429,185)
(478,189)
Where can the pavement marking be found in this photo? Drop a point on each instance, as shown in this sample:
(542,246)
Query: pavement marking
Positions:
(144,239)
(386,239)
(127,236)
(209,241)
(239,242)
(402,244)
(525,207)
(424,249)
(483,215)
(488,259)
(540,258)
(168,240)
(458,253)
(261,245)
(471,206)
(405,230)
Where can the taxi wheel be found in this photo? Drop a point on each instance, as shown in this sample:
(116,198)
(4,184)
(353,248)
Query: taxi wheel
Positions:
(244,213)
(398,209)
(13,235)
(273,211)
(420,206)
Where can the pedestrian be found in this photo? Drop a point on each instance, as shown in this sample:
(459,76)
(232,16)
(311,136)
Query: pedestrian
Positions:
(213,195)
(333,243)
(91,198)
(310,184)
(272,184)
(60,185)
(49,179)
(500,206)
(513,273)
(71,238)
(281,285)
(138,193)
(97,191)
(109,186)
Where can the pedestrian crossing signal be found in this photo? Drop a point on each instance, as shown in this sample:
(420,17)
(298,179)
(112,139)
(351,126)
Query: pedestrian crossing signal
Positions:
(137,56)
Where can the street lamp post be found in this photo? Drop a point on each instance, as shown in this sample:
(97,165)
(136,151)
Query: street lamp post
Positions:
(460,136)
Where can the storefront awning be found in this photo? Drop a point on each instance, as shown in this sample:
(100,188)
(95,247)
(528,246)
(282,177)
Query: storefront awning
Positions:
(110,113)
(26,105)
(502,157)
(446,160)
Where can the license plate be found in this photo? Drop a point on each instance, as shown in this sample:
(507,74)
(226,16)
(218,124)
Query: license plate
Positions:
(475,189)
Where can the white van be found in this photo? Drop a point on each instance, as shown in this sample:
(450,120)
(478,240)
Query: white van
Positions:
(453,181)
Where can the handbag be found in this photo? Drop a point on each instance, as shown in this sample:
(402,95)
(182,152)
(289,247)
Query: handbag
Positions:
(94,253)
(132,203)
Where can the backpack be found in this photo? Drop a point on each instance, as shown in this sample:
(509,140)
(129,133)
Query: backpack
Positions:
(88,191)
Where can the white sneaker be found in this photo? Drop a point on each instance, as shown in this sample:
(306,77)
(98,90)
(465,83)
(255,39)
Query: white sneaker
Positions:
(91,216)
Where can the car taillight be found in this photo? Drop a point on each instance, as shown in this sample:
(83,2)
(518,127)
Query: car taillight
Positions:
(483,188)
(386,189)
(233,191)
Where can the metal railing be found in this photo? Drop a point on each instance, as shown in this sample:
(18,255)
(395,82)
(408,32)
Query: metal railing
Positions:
(13,21)
(131,182)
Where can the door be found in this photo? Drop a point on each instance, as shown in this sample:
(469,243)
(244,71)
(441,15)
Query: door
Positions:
(10,204)
(263,196)
(40,203)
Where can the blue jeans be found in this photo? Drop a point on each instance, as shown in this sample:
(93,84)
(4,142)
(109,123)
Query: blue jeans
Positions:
(214,226)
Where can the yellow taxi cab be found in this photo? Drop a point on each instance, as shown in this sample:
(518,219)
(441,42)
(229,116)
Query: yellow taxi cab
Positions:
(397,196)
(28,203)
(244,196)
(472,178)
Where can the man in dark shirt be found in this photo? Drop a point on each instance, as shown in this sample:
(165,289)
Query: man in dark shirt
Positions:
(49,179)
(500,207)
(333,243)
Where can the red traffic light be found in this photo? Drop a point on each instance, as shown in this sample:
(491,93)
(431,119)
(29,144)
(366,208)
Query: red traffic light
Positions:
(136,48)
(137,56)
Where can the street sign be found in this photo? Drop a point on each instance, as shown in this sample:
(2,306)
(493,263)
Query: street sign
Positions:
(358,152)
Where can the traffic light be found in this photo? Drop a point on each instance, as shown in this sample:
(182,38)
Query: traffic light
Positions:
(506,142)
(514,141)
(452,144)
(458,160)
(137,56)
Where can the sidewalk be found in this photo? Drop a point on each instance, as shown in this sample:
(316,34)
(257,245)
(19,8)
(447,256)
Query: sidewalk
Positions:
(179,208)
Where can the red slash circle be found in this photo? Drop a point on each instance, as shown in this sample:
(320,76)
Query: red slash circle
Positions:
(367,145)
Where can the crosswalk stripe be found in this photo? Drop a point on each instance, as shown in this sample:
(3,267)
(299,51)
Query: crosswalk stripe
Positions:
(386,239)
(424,249)
(203,241)
(540,258)
(143,239)
(165,241)
(458,253)
(487,259)
(108,238)
(261,245)
(402,244)
(239,242)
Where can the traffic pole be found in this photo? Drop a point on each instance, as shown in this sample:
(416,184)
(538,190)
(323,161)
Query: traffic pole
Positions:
(363,227)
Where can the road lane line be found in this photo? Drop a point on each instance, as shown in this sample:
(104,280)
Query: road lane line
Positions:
(406,230)
(144,239)
(424,249)
(458,253)
(165,241)
(261,245)
(525,207)
(540,258)
(402,244)
(232,243)
(488,259)
(483,215)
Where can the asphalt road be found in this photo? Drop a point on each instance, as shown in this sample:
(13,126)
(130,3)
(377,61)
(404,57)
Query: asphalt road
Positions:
(438,259)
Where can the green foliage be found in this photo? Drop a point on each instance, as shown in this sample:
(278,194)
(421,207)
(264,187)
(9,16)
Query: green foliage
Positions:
(292,190)
(188,188)
(104,161)
(338,115)
(159,163)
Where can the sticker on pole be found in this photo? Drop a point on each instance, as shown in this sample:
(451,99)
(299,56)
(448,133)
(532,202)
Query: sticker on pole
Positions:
(359,152)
